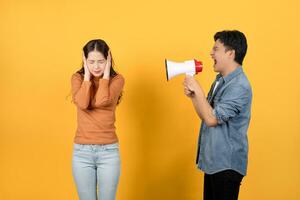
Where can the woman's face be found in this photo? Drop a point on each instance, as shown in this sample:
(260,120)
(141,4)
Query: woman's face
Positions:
(96,63)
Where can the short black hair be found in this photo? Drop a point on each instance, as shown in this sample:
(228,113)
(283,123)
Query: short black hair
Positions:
(233,40)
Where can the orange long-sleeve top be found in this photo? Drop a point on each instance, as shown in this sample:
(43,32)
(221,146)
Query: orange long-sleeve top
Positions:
(96,102)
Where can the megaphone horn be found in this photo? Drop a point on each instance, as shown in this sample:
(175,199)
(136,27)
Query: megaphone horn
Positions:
(189,67)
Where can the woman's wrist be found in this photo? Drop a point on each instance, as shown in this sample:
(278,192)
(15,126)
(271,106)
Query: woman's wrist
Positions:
(87,77)
(106,75)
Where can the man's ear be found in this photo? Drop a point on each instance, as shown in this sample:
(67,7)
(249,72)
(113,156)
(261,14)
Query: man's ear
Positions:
(231,53)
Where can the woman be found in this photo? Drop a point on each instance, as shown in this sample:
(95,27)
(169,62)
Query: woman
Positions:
(96,91)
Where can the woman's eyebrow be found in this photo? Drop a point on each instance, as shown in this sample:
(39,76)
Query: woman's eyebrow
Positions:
(96,60)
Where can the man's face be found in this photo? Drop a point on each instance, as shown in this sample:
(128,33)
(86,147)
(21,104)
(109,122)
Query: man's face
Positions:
(220,56)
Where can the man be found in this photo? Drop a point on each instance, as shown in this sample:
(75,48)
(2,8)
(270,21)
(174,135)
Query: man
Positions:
(225,114)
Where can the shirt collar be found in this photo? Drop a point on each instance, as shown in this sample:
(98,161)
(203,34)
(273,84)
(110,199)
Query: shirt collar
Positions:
(230,76)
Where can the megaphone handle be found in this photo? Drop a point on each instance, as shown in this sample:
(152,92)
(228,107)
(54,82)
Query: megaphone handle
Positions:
(192,93)
(190,73)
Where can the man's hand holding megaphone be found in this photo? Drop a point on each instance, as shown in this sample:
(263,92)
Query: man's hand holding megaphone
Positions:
(190,84)
(194,90)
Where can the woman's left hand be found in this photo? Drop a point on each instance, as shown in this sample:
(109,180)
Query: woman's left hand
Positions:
(107,66)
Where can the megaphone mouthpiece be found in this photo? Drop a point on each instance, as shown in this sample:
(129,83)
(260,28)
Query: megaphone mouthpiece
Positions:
(199,66)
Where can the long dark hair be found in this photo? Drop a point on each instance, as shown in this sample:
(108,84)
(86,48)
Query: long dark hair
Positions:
(100,46)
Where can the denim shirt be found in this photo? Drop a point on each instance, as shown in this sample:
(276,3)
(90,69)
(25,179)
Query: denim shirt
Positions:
(225,146)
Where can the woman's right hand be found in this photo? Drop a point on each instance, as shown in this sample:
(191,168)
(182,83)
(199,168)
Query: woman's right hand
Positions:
(87,73)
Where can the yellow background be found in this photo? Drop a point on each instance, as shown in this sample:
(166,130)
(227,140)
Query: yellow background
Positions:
(40,47)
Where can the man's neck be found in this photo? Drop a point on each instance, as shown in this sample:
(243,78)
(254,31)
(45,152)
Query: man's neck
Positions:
(230,69)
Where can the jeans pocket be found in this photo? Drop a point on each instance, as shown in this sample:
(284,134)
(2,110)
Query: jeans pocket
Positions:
(112,147)
(77,147)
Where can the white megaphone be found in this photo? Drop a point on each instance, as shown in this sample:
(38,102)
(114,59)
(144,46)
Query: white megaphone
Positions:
(189,67)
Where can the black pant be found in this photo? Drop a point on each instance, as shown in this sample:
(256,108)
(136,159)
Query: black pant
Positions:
(224,185)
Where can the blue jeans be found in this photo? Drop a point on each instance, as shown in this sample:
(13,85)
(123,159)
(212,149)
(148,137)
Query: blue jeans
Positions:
(96,165)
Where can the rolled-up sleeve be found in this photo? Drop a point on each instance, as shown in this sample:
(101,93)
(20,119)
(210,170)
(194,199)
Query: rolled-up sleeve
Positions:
(231,103)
